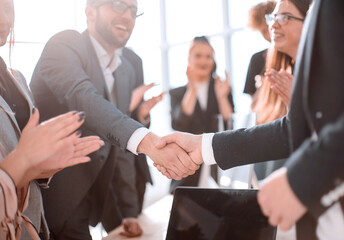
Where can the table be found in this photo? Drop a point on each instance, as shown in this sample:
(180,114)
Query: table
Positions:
(153,220)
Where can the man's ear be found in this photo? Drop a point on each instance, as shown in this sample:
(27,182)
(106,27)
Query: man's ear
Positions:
(90,14)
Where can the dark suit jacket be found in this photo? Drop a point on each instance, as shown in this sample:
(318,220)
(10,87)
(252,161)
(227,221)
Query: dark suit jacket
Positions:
(68,77)
(9,135)
(198,122)
(315,167)
(125,194)
(256,67)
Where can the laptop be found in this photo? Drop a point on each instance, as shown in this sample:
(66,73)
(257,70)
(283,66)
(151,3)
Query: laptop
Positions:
(217,214)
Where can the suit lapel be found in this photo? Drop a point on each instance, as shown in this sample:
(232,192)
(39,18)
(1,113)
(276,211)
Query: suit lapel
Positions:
(122,87)
(97,77)
(9,113)
(22,90)
(308,46)
(6,107)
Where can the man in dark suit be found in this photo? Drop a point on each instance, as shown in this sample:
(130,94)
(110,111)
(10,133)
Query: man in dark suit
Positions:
(79,71)
(131,172)
(311,136)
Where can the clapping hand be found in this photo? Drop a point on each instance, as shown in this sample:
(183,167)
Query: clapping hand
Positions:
(222,88)
(54,144)
(146,106)
(281,83)
(137,95)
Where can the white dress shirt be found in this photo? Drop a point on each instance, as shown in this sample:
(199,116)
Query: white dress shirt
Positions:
(202,94)
(207,149)
(108,66)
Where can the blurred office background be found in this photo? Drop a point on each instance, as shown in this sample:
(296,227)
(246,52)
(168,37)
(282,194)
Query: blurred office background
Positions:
(161,37)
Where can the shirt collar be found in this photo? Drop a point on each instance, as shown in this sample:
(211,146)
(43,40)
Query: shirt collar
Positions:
(104,59)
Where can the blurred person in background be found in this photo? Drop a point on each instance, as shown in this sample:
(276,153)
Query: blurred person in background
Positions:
(256,66)
(271,101)
(196,106)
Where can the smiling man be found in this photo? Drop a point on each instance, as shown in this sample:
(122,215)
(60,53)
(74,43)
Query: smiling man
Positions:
(82,71)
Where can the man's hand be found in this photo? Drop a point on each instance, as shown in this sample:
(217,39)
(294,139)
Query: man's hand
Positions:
(146,106)
(137,95)
(131,228)
(278,201)
(192,144)
(170,156)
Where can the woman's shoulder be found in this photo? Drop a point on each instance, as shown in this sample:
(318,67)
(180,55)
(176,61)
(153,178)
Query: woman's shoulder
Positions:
(177,91)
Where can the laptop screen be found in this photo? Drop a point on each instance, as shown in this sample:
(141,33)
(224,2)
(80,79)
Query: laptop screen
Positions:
(216,214)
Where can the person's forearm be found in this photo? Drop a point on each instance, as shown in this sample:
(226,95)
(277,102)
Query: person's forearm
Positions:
(16,166)
(189,101)
(147,143)
(225,107)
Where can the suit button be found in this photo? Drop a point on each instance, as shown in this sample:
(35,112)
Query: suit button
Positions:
(318,115)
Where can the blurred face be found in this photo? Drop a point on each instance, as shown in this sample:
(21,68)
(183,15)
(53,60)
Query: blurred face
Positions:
(113,27)
(6,19)
(201,59)
(286,37)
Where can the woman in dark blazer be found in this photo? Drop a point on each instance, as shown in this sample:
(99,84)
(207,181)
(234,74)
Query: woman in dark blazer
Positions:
(195,107)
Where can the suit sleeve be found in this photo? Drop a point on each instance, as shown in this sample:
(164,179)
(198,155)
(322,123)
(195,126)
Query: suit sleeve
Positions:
(323,160)
(251,145)
(62,68)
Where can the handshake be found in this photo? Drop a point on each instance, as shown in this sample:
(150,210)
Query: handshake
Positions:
(176,156)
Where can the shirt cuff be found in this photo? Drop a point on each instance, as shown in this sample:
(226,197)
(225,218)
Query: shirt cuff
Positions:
(207,149)
(136,138)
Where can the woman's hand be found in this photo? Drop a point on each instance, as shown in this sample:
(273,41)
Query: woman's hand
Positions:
(191,75)
(54,144)
(281,83)
(222,88)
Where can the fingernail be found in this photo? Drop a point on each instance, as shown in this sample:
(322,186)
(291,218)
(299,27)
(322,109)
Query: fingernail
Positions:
(82,116)
(78,133)
(33,110)
(75,112)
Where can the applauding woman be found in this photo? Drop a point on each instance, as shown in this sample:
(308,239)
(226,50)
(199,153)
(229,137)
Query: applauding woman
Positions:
(196,106)
(29,150)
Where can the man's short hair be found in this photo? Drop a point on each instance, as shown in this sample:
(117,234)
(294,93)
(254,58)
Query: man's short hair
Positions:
(91,2)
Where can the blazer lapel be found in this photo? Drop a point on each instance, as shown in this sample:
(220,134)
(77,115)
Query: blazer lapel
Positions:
(308,45)
(22,89)
(9,113)
(122,88)
(97,77)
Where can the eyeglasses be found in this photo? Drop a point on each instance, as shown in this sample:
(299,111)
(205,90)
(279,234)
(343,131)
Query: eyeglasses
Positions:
(121,7)
(282,19)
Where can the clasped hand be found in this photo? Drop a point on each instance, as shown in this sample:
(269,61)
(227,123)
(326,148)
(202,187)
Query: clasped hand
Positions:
(181,154)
